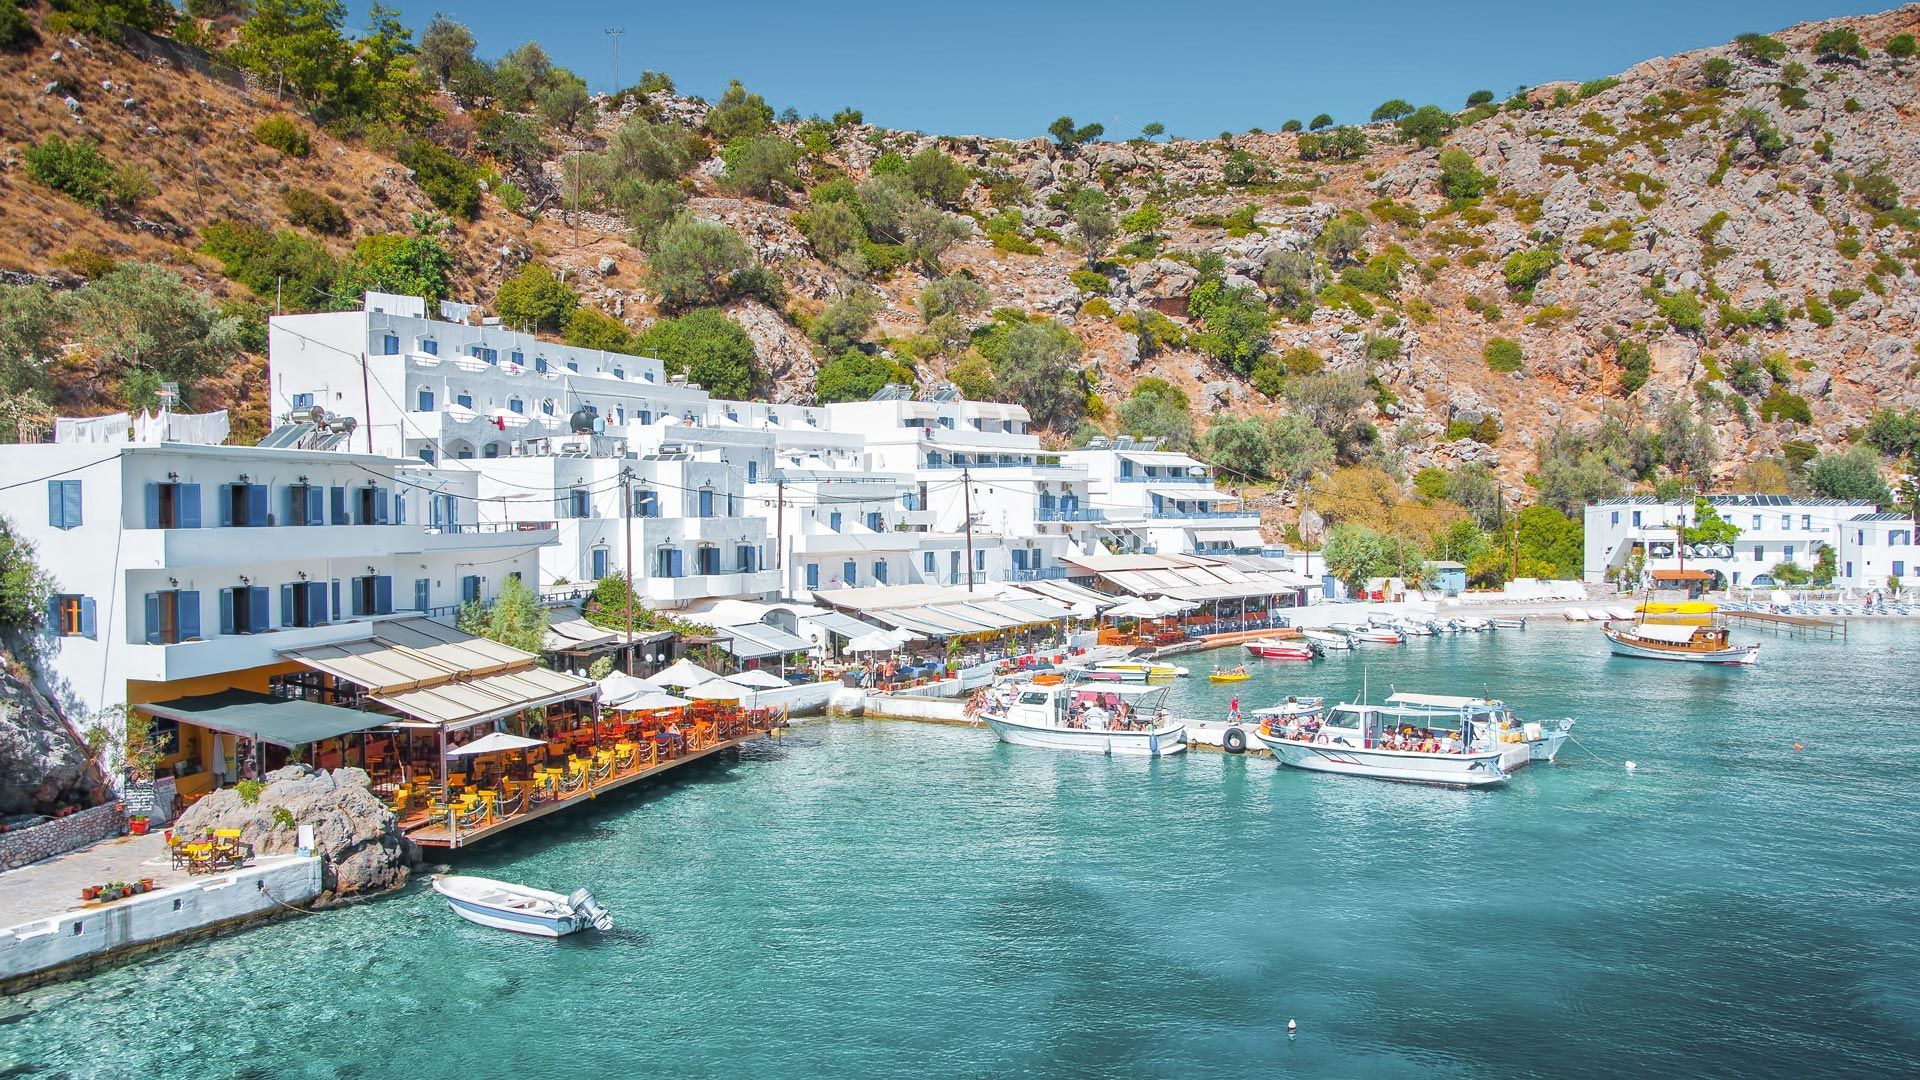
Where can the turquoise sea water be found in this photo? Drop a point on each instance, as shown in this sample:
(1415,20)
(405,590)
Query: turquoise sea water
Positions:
(890,899)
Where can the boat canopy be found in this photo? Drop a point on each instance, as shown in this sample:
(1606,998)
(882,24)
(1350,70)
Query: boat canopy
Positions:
(1671,634)
(1436,701)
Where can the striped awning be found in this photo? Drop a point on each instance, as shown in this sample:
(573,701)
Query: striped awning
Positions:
(756,641)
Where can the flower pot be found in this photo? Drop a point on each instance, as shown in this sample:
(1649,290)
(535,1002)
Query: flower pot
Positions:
(146,883)
(138,826)
(91,892)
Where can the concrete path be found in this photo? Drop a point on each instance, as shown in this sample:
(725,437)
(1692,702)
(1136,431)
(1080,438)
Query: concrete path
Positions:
(52,886)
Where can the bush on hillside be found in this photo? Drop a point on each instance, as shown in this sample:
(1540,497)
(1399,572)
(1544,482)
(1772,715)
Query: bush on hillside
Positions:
(857,376)
(77,169)
(591,328)
(312,210)
(707,347)
(449,183)
(535,299)
(281,133)
(696,262)
(1503,355)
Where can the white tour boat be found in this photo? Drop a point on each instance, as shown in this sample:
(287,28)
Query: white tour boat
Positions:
(1381,635)
(1370,740)
(1327,639)
(1447,711)
(1105,718)
(503,905)
(1674,641)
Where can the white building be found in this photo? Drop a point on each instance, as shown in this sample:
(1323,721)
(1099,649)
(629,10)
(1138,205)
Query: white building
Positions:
(182,570)
(1643,531)
(1163,501)
(435,390)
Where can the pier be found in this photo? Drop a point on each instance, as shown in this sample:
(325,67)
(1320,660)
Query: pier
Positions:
(1792,625)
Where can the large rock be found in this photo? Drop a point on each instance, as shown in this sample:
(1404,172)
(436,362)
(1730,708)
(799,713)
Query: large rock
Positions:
(361,841)
(42,765)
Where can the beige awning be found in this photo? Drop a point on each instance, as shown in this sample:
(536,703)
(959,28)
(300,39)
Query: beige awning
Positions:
(471,701)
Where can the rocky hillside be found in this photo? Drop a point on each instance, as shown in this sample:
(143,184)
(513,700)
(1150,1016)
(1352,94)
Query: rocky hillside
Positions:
(1729,228)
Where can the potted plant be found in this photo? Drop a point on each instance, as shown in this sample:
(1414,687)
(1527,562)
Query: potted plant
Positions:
(137,825)
(91,892)
(146,884)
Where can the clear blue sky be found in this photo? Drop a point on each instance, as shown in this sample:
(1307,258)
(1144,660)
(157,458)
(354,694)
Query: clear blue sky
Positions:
(1001,68)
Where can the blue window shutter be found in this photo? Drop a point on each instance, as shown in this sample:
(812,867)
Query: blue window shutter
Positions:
(153,506)
(338,496)
(186,506)
(286,605)
(422,593)
(153,619)
(56,505)
(256,504)
(257,614)
(226,506)
(383,595)
(88,618)
(850,572)
(316,604)
(337,610)
(927,561)
(316,505)
(389,345)
(678,563)
(226,611)
(359,599)
(380,506)
(706,503)
(53,615)
(399,508)
(813,575)
(187,614)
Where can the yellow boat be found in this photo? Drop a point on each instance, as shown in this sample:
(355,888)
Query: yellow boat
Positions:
(1682,607)
(1230,676)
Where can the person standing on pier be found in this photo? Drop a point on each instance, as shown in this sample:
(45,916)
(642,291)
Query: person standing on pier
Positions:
(1233,710)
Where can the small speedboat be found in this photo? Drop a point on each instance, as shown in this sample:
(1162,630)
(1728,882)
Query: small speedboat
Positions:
(1281,649)
(1380,635)
(1134,671)
(1240,674)
(1328,639)
(503,905)
(1510,624)
(1095,718)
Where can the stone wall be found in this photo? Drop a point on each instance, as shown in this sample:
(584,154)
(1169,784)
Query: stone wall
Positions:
(29,845)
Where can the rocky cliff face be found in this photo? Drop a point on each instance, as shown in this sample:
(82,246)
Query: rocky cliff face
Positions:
(42,766)
(1642,188)
(364,848)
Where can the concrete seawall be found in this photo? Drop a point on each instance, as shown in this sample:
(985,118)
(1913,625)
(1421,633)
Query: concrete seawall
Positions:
(75,942)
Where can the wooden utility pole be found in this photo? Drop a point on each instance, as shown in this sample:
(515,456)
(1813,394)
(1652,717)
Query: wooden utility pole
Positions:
(780,525)
(966,506)
(626,508)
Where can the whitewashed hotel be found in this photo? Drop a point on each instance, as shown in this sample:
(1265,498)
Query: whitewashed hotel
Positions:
(1869,547)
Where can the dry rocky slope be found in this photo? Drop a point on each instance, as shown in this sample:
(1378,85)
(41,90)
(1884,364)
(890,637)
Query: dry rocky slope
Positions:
(1644,188)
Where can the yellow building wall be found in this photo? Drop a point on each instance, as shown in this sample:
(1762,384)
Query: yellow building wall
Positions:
(194,739)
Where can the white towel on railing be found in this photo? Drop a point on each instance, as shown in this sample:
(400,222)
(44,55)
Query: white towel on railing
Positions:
(111,428)
(203,429)
(149,428)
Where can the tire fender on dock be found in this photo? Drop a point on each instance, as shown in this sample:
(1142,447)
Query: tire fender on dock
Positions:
(1233,741)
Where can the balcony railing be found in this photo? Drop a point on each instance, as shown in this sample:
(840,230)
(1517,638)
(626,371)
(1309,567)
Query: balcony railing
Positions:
(1042,573)
(1204,515)
(1069,513)
(1165,479)
(492,527)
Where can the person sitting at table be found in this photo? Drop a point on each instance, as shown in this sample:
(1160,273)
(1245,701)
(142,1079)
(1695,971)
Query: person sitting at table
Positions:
(674,737)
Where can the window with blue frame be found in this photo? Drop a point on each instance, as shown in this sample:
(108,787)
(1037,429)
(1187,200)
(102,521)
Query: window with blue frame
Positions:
(72,615)
(744,559)
(876,520)
(707,559)
(425,401)
(518,357)
(303,603)
(926,561)
(428,455)
(753,470)
(980,559)
(646,503)
(243,506)
(880,571)
(850,573)
(573,365)
(599,563)
(579,503)
(465,401)
(63,504)
(813,575)
(422,594)
(429,346)
(619,373)
(705,503)
(833,521)
(539,363)
(668,563)
(243,610)
(173,616)
(373,595)
(303,401)
(389,345)
(515,405)
(546,406)
(470,588)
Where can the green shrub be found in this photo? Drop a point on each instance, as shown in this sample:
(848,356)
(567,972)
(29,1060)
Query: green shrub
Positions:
(277,266)
(1780,404)
(312,210)
(1526,269)
(1818,312)
(856,376)
(77,169)
(1636,363)
(15,29)
(284,135)
(1683,312)
(449,183)
(1503,355)
(709,348)
(1844,298)
(535,298)
(1760,48)
(1717,71)
(1382,349)
(1091,281)
(1597,86)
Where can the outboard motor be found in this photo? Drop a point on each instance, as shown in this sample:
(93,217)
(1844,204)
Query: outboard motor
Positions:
(589,911)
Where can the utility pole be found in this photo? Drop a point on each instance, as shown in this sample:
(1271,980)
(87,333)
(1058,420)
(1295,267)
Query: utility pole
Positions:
(626,511)
(966,506)
(780,525)
(613,38)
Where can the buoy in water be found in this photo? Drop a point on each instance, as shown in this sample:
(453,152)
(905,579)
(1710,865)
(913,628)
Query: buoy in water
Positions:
(1797,746)
(1292,1027)
(1632,766)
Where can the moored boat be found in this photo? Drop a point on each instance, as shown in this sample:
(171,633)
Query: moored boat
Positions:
(1134,671)
(1327,639)
(1450,711)
(1282,649)
(1101,719)
(1710,644)
(1239,674)
(1379,742)
(1380,635)
(1510,624)
(503,905)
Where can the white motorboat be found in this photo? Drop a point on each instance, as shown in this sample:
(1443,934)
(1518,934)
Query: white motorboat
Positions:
(1327,639)
(1472,625)
(1674,641)
(1381,635)
(503,905)
(1450,712)
(1135,671)
(1575,614)
(1372,740)
(1282,649)
(1510,624)
(1103,718)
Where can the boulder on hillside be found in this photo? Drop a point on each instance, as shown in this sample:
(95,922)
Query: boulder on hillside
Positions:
(356,834)
(42,766)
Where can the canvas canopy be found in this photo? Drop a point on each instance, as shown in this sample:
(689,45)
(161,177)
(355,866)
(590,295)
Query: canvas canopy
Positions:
(287,722)
(1667,632)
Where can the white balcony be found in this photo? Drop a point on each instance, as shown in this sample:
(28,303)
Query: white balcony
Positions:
(238,652)
(675,591)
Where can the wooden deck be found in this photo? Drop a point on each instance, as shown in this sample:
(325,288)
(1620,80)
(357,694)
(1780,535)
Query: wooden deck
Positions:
(438,833)
(1790,624)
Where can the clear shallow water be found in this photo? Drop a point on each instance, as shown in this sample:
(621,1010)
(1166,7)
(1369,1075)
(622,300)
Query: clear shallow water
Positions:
(887,899)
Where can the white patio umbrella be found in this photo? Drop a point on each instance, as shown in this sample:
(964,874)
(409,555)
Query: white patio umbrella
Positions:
(1170,606)
(683,673)
(758,679)
(874,641)
(720,690)
(1137,608)
(618,688)
(651,700)
(497,742)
